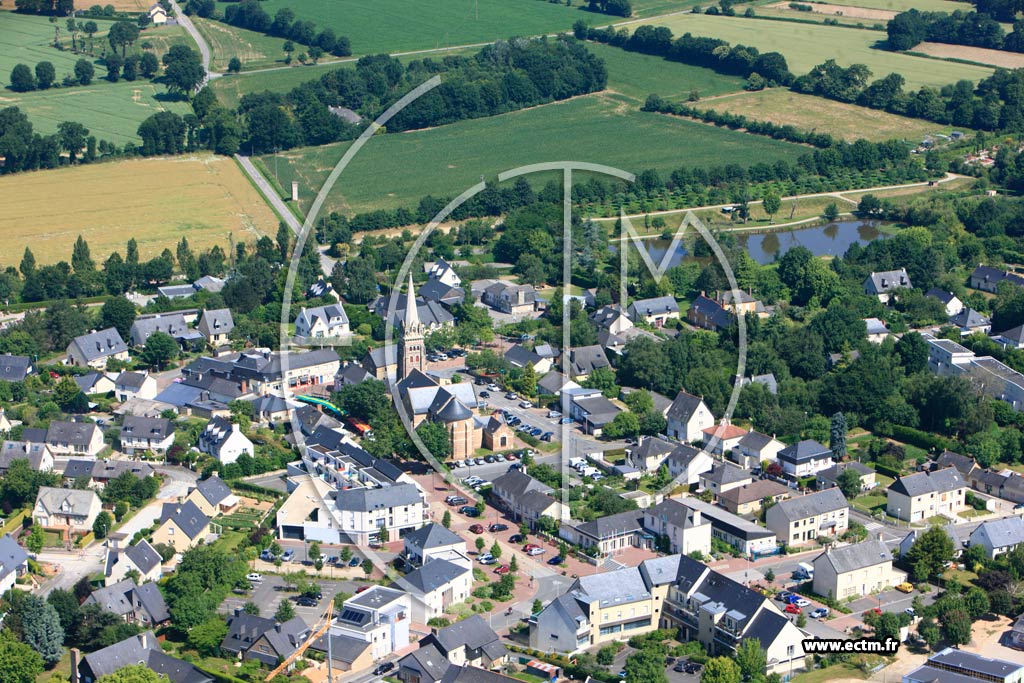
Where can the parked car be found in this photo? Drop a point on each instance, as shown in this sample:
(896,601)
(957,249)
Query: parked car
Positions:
(333,559)
(516,539)
(566,421)
(911,611)
(511,396)
(469,511)
(477,528)
(782,596)
(905,587)
(254,577)
(873,610)
(693,667)
(383,668)
(355,562)
(485,394)
(802,602)
(793,609)
(819,613)
(456,500)
(525,405)
(267,556)
(554,414)
(557,559)
(502,569)
(485,558)
(497,526)
(363,588)
(288,556)
(489,459)
(536,431)
(534,549)
(306,601)
(492,386)
(680,666)
(546,436)
(512,456)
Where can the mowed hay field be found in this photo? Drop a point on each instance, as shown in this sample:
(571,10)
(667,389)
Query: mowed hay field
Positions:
(1001,58)
(904,5)
(254,50)
(807,112)
(157,201)
(111,111)
(807,45)
(636,75)
(396,170)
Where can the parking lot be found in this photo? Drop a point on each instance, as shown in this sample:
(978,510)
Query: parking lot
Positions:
(269,593)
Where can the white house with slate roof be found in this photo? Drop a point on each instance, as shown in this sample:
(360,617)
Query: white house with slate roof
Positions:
(443,272)
(999,535)
(213,497)
(747,537)
(173,324)
(143,649)
(82,439)
(14,368)
(649,453)
(469,642)
(686,463)
(129,385)
(322,322)
(803,519)
(686,529)
(39,457)
(657,311)
(950,301)
(71,509)
(224,440)
(436,587)
(94,349)
(922,495)
(585,359)
(141,434)
(857,569)
(722,477)
(13,562)
(141,557)
(688,417)
(379,616)
(805,459)
(182,526)
(430,542)
(884,284)
(143,605)
(754,448)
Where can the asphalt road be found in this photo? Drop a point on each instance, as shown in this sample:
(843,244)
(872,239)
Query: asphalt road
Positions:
(269,593)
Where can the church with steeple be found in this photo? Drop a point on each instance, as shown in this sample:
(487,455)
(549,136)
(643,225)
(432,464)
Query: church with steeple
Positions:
(411,340)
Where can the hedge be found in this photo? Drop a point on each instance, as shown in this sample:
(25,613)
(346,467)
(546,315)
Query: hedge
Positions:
(14,523)
(916,437)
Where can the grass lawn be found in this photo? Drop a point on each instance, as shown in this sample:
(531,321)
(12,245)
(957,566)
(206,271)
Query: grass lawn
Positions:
(158,201)
(870,504)
(806,45)
(398,169)
(28,39)
(829,673)
(637,76)
(52,539)
(807,112)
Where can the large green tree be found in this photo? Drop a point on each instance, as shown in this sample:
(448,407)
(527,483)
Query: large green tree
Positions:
(160,350)
(930,553)
(41,629)
(207,636)
(119,313)
(751,659)
(135,673)
(19,663)
(721,670)
(646,666)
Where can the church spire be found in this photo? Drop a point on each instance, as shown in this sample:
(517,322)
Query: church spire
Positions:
(412,315)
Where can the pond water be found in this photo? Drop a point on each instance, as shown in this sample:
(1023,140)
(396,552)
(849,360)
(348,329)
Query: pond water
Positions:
(832,239)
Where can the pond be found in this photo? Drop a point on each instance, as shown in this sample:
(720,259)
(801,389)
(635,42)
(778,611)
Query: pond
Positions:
(832,239)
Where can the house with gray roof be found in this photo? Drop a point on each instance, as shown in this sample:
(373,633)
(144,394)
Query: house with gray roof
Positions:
(14,368)
(709,314)
(987,278)
(433,315)
(13,562)
(805,518)
(470,641)
(754,448)
(999,536)
(143,605)
(322,322)
(686,463)
(805,459)
(216,325)
(951,530)
(173,324)
(424,665)
(830,477)
(265,640)
(970,321)
(379,616)
(81,439)
(71,509)
(611,534)
(722,477)
(923,495)
(363,511)
(554,383)
(141,558)
(95,348)
(950,301)
(585,359)
(649,453)
(656,312)
(143,649)
(686,529)
(520,357)
(442,293)
(746,536)
(510,298)
(857,569)
(885,284)
(182,526)
(594,412)
(39,457)
(436,586)
(142,434)
(688,417)
(431,541)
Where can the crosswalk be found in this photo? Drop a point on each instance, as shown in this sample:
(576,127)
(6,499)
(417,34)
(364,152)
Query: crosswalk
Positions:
(873,526)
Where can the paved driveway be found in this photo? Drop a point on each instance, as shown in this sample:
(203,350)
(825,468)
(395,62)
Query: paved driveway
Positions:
(269,593)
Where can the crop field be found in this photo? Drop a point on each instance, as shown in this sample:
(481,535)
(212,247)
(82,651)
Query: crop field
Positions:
(851,11)
(398,169)
(807,112)
(254,50)
(1001,58)
(399,25)
(806,45)
(904,5)
(157,201)
(26,39)
(111,111)
(636,75)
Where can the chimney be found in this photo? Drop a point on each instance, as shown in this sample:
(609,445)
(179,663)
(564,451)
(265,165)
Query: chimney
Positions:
(142,640)
(76,658)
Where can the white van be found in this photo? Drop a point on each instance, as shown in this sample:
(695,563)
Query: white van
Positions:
(576,463)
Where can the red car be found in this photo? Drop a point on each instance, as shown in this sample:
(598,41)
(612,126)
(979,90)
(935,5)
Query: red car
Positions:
(793,609)
(477,528)
(502,569)
(362,588)
(873,610)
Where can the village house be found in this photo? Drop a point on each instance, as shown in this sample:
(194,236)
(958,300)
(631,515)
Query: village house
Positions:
(129,385)
(805,459)
(858,569)
(135,604)
(830,477)
(649,453)
(141,558)
(224,440)
(216,325)
(610,534)
(655,312)
(173,324)
(39,457)
(923,495)
(1010,339)
(267,641)
(95,383)
(688,417)
(519,356)
(754,448)
(73,510)
(950,302)
(213,497)
(749,498)
(430,542)
(527,499)
(583,361)
(96,348)
(443,272)
(13,562)
(987,279)
(722,477)
(143,649)
(380,617)
(746,536)
(721,439)
(15,368)
(686,463)
(436,587)
(322,322)
(805,518)
(970,321)
(82,439)
(686,529)
(470,642)
(885,284)
(182,526)
(146,434)
(708,314)
(998,536)
(509,298)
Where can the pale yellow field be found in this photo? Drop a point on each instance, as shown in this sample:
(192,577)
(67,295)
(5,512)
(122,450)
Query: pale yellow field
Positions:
(119,5)
(156,201)
(806,112)
(840,10)
(1007,60)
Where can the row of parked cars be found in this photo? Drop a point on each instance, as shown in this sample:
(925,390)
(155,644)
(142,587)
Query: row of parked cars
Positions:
(795,604)
(442,354)
(517,424)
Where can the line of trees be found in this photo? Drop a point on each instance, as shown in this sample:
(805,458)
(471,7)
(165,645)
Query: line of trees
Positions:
(909,28)
(618,8)
(249,14)
(59,8)
(996,104)
(711,53)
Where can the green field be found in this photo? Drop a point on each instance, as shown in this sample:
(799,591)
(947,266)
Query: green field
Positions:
(398,169)
(26,39)
(231,87)
(254,50)
(904,5)
(806,45)
(637,76)
(111,111)
(400,25)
